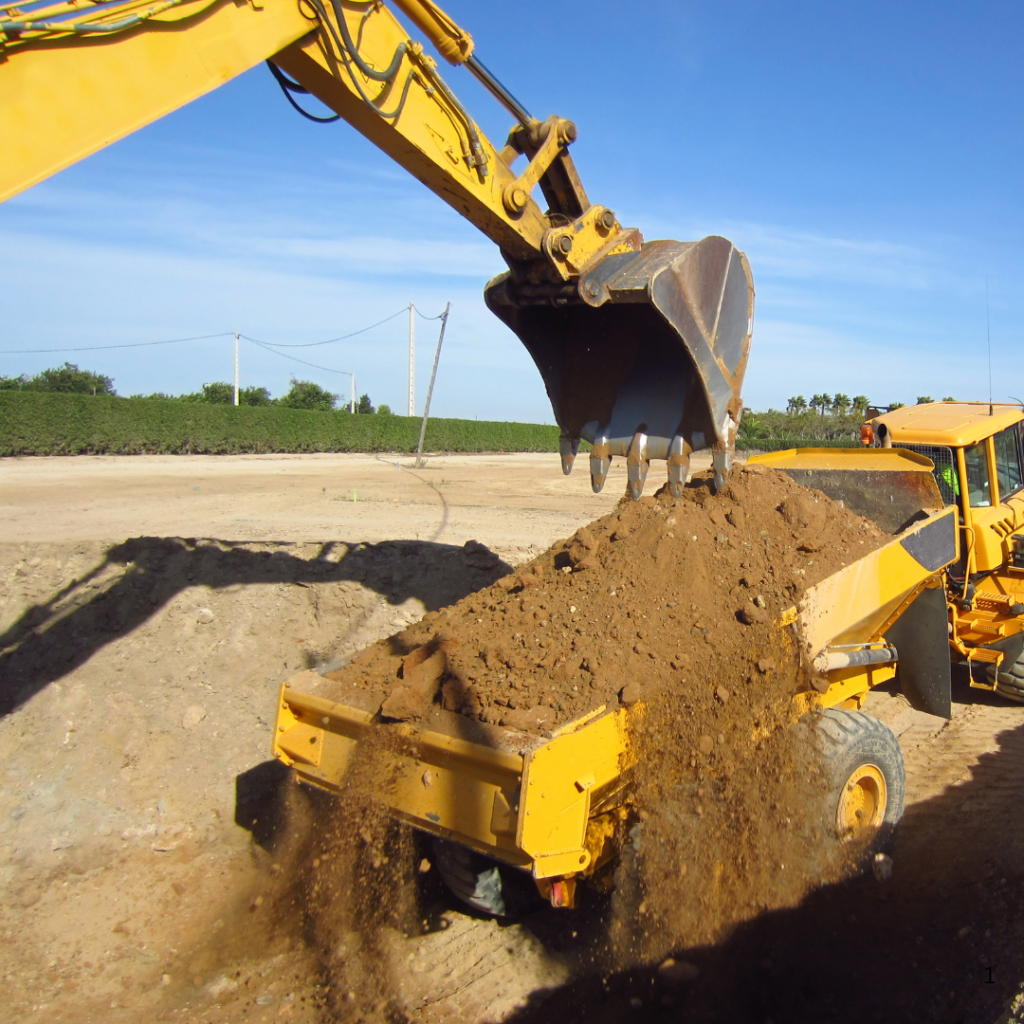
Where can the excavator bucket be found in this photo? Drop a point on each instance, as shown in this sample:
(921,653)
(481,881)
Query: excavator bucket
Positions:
(644,357)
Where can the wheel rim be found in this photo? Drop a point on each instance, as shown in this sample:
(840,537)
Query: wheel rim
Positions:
(862,803)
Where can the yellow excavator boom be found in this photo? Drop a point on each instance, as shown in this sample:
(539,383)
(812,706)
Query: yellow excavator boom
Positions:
(642,347)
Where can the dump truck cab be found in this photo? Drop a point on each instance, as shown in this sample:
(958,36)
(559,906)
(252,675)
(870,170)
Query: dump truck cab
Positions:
(978,453)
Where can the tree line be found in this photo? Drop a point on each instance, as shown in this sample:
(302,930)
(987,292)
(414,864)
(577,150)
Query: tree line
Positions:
(824,419)
(303,394)
(842,405)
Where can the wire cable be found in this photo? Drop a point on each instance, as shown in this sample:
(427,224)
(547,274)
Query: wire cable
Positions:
(329,341)
(380,76)
(269,345)
(104,348)
(296,359)
(288,87)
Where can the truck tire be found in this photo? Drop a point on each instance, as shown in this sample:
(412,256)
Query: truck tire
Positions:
(1010,680)
(482,883)
(865,777)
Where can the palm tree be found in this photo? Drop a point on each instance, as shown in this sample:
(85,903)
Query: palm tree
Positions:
(797,404)
(821,402)
(840,403)
(860,404)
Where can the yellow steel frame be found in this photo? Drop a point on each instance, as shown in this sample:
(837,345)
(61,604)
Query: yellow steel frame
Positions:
(857,604)
(63,99)
(66,93)
(429,138)
(529,809)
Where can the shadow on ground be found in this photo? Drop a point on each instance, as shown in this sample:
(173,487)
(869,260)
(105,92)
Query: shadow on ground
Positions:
(54,638)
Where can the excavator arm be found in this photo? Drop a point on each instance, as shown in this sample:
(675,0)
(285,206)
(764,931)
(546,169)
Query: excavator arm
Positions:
(642,347)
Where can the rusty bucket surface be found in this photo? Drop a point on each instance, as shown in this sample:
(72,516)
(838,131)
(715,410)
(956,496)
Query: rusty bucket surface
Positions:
(645,358)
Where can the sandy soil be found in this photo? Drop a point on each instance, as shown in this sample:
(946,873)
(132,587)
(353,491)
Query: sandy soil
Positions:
(506,502)
(147,842)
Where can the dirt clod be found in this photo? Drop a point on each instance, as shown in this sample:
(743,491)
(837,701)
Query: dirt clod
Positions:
(752,615)
(630,694)
(193,715)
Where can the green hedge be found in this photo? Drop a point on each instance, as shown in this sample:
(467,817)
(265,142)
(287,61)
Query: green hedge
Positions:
(43,423)
(37,423)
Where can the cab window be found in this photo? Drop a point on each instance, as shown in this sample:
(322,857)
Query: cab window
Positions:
(976,463)
(1008,469)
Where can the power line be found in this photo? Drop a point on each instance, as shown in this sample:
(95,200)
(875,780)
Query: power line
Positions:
(103,348)
(440,316)
(295,359)
(206,337)
(329,341)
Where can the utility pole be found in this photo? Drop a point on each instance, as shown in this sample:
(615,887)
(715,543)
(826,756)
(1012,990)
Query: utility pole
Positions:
(352,404)
(412,359)
(235,402)
(430,390)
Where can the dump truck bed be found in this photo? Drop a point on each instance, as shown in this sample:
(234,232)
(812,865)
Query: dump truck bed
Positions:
(549,803)
(522,799)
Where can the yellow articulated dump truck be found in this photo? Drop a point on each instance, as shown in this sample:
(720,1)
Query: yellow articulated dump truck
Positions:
(550,805)
(978,452)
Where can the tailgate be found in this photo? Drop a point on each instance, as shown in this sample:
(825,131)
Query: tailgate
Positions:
(470,790)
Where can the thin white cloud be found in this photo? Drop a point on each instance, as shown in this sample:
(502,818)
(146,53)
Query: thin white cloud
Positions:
(805,256)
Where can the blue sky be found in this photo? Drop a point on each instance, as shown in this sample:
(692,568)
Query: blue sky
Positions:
(868,158)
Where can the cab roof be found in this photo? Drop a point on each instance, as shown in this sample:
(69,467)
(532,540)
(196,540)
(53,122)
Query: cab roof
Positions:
(956,424)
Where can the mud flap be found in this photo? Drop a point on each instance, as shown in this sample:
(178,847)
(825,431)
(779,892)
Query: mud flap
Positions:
(921,638)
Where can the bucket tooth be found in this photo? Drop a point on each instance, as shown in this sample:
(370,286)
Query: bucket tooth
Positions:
(600,463)
(567,448)
(721,463)
(637,465)
(678,466)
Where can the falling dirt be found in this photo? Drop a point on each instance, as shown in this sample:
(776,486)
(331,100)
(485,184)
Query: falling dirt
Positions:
(667,604)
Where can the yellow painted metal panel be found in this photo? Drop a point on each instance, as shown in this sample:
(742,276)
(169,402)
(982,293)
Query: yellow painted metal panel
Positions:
(953,424)
(557,786)
(851,605)
(873,459)
(523,810)
(439,783)
(991,529)
(427,138)
(63,100)
(843,685)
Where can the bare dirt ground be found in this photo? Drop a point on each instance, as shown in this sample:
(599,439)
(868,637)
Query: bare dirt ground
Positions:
(150,851)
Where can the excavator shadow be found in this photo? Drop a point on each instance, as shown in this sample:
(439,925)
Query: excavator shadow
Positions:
(942,941)
(53,638)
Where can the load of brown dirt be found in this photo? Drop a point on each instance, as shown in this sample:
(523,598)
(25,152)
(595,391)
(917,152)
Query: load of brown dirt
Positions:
(672,603)
(657,599)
